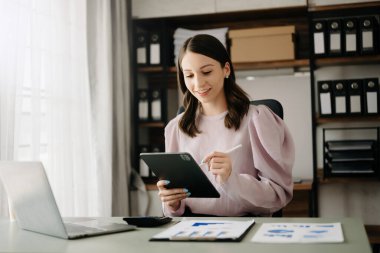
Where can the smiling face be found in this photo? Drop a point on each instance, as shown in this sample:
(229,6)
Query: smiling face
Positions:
(204,78)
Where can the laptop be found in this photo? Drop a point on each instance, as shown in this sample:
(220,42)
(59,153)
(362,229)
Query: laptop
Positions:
(35,208)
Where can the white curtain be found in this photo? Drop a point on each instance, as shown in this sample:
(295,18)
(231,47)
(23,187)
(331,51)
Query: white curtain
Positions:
(57,101)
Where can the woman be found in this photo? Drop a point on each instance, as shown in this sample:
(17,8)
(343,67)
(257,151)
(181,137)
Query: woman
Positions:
(253,180)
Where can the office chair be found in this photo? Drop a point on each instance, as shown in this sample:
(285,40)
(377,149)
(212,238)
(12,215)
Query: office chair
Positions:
(272,104)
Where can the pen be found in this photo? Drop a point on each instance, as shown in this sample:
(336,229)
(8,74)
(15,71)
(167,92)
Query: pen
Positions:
(233,149)
(228,151)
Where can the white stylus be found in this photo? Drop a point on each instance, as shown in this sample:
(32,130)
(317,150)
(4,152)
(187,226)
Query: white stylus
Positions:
(227,152)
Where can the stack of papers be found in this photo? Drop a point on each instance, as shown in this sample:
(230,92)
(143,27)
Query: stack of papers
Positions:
(205,230)
(181,35)
(299,233)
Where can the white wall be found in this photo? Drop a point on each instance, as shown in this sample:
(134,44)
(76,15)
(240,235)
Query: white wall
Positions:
(293,92)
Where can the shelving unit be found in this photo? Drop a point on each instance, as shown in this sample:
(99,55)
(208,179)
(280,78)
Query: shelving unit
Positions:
(329,63)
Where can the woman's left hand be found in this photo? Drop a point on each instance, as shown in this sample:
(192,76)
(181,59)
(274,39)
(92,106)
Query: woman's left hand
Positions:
(220,165)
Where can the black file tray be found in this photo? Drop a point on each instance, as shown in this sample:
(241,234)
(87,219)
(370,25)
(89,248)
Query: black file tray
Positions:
(349,157)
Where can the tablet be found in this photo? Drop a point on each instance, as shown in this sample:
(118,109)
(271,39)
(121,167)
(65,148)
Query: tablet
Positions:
(182,171)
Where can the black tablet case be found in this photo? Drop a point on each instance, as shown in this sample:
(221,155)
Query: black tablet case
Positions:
(182,172)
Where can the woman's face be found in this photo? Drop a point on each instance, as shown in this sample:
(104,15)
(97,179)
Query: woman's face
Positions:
(204,77)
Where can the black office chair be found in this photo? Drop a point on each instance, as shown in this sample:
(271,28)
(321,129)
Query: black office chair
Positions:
(272,104)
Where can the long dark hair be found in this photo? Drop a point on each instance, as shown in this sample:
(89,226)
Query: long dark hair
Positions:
(237,99)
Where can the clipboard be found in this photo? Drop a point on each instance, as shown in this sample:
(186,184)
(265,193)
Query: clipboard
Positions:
(182,171)
(206,230)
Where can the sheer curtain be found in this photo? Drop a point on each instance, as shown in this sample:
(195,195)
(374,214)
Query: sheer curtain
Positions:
(56,100)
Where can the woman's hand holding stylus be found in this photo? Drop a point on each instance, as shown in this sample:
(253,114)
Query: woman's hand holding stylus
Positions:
(219,164)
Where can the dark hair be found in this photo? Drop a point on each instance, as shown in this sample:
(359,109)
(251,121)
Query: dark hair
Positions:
(237,99)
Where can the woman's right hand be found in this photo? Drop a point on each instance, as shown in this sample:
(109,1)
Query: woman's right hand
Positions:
(171,197)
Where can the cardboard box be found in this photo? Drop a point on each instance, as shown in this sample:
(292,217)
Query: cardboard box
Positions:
(262,44)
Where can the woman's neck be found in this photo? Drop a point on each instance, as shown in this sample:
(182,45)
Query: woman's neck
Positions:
(214,108)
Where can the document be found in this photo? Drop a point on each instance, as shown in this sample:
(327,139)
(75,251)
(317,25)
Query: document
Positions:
(299,233)
(205,230)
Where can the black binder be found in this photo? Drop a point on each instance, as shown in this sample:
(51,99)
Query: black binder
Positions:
(340,97)
(368,35)
(155,48)
(141,48)
(319,36)
(156,105)
(355,94)
(325,98)
(371,96)
(334,37)
(143,105)
(350,36)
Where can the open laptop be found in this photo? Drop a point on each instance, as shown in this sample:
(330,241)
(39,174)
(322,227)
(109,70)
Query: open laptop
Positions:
(36,210)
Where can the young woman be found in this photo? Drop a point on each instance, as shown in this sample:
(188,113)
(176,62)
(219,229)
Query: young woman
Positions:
(253,180)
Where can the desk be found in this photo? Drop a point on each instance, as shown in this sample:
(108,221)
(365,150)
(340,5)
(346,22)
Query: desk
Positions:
(13,239)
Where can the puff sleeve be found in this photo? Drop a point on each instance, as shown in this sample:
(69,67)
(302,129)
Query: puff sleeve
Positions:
(270,187)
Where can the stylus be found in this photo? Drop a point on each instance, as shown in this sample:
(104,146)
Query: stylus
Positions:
(228,151)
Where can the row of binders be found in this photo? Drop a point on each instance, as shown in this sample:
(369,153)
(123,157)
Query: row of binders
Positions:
(150,105)
(350,157)
(149,43)
(346,36)
(349,97)
(144,170)
(148,48)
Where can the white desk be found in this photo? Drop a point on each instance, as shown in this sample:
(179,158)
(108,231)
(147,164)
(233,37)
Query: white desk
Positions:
(13,239)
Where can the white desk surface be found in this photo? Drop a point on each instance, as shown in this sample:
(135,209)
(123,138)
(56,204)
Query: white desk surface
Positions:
(14,239)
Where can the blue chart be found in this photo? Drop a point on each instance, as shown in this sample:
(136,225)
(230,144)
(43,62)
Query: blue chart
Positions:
(299,233)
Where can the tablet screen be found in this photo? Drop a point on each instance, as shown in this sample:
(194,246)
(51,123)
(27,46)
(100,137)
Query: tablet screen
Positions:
(182,171)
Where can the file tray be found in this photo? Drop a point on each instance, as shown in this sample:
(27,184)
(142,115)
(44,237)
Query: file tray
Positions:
(351,157)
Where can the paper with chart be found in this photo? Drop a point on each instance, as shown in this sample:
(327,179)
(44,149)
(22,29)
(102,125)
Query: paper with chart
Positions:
(299,233)
(206,230)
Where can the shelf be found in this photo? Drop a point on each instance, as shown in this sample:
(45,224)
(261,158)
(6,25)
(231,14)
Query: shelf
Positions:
(342,6)
(373,232)
(152,124)
(272,64)
(346,119)
(150,69)
(354,60)
(344,180)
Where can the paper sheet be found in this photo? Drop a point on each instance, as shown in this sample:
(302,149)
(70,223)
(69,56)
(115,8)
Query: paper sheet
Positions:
(299,233)
(205,230)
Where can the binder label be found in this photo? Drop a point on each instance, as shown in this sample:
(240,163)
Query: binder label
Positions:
(351,42)
(340,104)
(372,102)
(367,40)
(325,103)
(319,45)
(355,104)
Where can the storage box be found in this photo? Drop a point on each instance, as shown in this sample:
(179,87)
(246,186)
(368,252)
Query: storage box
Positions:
(262,44)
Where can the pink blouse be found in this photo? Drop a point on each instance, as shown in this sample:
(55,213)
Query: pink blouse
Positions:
(261,179)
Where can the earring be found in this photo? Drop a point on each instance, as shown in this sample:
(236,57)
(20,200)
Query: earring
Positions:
(227,76)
